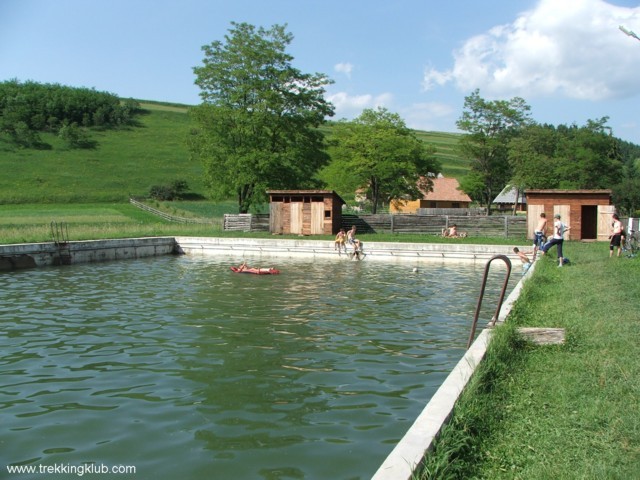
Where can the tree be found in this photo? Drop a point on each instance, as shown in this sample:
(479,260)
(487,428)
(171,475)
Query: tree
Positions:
(490,126)
(532,157)
(568,157)
(378,152)
(75,137)
(626,196)
(473,184)
(29,108)
(258,123)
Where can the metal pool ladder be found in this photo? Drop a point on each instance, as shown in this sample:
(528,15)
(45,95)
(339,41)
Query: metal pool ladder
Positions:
(481,296)
(60,235)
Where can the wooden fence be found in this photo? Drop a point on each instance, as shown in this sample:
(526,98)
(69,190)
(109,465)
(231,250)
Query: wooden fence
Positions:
(507,226)
(246,222)
(171,218)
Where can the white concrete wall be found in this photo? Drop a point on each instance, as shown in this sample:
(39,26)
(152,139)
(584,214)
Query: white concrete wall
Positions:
(29,255)
(375,251)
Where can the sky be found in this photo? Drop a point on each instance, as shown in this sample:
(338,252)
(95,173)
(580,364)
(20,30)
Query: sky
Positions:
(568,59)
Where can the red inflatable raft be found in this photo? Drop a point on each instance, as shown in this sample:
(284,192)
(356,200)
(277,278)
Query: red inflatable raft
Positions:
(256,271)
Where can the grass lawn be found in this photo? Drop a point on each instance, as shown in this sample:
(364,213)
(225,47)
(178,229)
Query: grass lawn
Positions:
(126,161)
(561,412)
(32,223)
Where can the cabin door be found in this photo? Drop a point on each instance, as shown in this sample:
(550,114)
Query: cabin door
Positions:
(565,217)
(589,222)
(533,215)
(317,218)
(604,221)
(296,218)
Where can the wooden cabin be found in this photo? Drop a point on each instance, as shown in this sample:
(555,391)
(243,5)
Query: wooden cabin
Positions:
(305,212)
(587,212)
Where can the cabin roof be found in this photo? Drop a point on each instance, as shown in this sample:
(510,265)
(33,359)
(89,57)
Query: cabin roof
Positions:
(508,195)
(446,189)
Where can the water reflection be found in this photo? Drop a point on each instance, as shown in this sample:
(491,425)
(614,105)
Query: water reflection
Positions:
(185,370)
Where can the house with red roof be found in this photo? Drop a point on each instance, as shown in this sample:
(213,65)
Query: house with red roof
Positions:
(446,193)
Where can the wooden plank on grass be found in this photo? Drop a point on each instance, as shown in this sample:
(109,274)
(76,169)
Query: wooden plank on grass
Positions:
(543,336)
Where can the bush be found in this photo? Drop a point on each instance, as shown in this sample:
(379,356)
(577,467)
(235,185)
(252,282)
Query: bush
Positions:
(174,191)
(75,137)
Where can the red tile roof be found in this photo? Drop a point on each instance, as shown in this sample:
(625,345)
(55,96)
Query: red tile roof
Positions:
(446,189)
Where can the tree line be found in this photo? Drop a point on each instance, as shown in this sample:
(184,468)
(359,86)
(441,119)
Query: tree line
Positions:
(30,108)
(258,129)
(505,146)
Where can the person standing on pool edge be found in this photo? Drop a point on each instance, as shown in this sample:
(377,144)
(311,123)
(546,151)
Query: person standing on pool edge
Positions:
(558,238)
(616,235)
(539,234)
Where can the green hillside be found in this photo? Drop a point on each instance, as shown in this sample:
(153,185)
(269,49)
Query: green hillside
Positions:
(445,143)
(130,161)
(125,161)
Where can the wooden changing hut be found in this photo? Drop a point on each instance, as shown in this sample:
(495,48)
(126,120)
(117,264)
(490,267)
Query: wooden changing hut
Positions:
(305,212)
(587,212)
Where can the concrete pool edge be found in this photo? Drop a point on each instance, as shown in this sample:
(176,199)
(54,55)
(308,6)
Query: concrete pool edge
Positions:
(32,255)
(374,251)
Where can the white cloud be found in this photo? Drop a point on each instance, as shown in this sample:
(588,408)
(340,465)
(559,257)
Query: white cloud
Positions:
(349,106)
(571,48)
(434,116)
(429,116)
(433,77)
(345,68)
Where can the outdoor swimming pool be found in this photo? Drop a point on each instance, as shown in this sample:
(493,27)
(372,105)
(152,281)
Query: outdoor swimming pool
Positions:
(183,369)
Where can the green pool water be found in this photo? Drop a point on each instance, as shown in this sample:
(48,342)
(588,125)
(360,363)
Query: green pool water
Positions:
(181,369)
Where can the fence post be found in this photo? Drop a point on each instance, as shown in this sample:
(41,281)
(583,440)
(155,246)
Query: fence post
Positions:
(391,214)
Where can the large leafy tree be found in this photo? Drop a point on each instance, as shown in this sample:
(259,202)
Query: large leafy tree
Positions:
(378,152)
(532,157)
(490,125)
(626,194)
(569,157)
(258,123)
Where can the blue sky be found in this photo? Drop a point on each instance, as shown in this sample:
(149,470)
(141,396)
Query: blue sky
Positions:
(418,58)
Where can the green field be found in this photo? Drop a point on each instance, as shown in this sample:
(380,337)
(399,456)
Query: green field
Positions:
(125,162)
(452,164)
(131,160)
